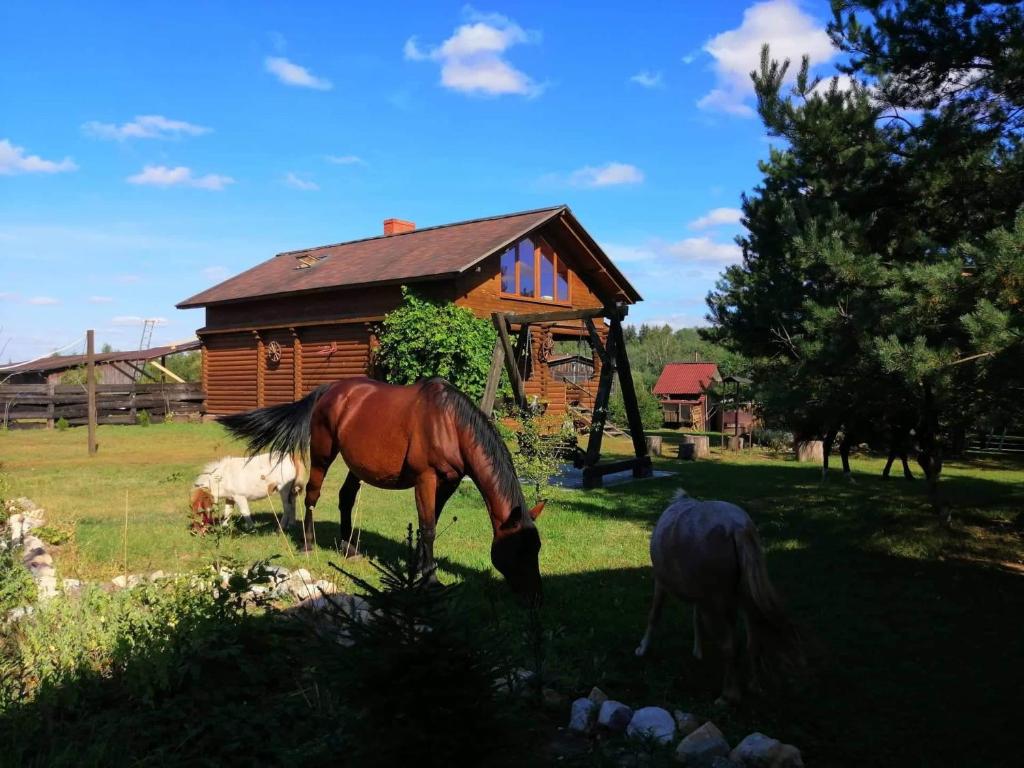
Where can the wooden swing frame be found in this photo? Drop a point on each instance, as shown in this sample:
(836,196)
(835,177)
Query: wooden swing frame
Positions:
(614,360)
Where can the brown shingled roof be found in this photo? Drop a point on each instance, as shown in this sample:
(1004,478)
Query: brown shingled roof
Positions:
(421,254)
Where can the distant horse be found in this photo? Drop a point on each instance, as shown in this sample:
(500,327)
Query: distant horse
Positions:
(897,439)
(239,480)
(426,436)
(708,553)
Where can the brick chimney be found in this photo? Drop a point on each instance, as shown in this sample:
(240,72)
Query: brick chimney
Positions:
(397,226)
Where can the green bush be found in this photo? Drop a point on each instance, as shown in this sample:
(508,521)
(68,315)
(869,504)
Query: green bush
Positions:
(772,439)
(537,455)
(422,338)
(143,419)
(647,403)
(62,424)
(53,534)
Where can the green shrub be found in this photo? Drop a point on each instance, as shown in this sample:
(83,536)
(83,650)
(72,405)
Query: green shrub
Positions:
(421,339)
(417,643)
(647,404)
(536,455)
(51,534)
(142,418)
(62,424)
(772,439)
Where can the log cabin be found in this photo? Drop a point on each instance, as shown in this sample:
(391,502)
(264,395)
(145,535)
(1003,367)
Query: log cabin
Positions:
(306,317)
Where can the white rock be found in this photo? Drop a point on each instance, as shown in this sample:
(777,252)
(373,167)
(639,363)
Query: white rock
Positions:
(157,575)
(614,715)
(121,582)
(41,570)
(760,751)
(327,587)
(38,561)
(47,586)
(701,746)
(685,722)
(652,722)
(582,716)
(302,575)
(16,613)
(70,584)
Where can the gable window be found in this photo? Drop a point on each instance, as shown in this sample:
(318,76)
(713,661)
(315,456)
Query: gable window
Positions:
(531,269)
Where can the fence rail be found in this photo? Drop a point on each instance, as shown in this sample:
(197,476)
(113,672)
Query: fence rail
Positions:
(996,443)
(42,405)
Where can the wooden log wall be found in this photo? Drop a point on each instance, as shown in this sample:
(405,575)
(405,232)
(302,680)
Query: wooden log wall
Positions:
(240,374)
(41,405)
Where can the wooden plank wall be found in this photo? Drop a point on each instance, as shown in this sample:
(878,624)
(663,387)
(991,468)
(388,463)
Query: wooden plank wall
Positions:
(39,405)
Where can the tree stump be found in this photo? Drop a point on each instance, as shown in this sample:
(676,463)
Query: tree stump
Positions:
(701,445)
(654,445)
(686,451)
(810,450)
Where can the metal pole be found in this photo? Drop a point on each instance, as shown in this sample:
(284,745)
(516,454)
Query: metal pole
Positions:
(90,383)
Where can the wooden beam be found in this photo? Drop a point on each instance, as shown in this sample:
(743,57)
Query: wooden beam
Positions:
(524,347)
(518,388)
(90,383)
(493,378)
(561,314)
(592,476)
(167,371)
(595,341)
(636,425)
(604,391)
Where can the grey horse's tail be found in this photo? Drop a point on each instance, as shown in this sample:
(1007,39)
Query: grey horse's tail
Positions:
(774,635)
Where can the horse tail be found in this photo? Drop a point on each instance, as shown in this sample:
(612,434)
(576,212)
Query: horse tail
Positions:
(281,429)
(770,627)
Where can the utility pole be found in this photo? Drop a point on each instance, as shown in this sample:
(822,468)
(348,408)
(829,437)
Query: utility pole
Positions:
(90,384)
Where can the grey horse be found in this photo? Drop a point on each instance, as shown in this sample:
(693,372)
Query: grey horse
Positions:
(708,553)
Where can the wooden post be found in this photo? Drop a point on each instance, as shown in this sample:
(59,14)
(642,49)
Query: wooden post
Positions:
(636,425)
(90,383)
(50,405)
(261,368)
(493,378)
(296,365)
(518,388)
(604,391)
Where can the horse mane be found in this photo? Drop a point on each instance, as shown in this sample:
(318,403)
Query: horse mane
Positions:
(486,436)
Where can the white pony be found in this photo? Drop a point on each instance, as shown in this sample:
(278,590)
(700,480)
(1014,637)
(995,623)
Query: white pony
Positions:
(708,553)
(239,480)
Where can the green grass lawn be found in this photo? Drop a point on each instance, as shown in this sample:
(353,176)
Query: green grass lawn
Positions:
(914,626)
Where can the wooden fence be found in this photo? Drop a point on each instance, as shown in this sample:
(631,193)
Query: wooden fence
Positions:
(997,443)
(42,405)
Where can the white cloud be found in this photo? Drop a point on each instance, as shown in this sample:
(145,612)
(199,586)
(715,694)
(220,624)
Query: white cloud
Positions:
(43,301)
(216,274)
(165,176)
(297,182)
(647,79)
(629,254)
(691,57)
(607,175)
(717,217)
(473,59)
(13,160)
(345,160)
(100,299)
(706,249)
(290,73)
(789,32)
(144,127)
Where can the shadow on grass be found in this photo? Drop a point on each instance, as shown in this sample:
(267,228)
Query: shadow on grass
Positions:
(919,663)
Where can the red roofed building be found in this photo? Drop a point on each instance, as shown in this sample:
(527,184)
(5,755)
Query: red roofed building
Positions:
(682,389)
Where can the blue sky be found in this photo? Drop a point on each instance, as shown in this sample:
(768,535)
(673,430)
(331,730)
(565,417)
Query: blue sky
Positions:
(150,150)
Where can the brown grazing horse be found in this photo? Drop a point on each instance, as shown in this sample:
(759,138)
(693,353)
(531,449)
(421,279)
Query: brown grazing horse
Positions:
(426,436)
(708,553)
